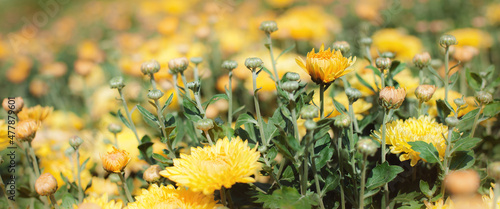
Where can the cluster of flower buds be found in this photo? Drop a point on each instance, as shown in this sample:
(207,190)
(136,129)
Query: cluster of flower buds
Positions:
(292,84)
(117,83)
(352,94)
(155,94)
(447,40)
(342,121)
(383,63)
(205,124)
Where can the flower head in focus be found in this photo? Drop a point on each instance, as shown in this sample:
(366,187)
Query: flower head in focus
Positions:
(115,161)
(425,129)
(170,198)
(210,168)
(326,65)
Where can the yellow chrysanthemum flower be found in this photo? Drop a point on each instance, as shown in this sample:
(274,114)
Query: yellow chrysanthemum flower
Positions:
(425,128)
(37,113)
(102,186)
(210,168)
(326,65)
(440,204)
(167,197)
(115,161)
(472,37)
(396,41)
(99,202)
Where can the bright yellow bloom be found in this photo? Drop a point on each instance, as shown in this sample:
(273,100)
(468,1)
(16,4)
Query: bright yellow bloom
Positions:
(210,168)
(115,161)
(102,186)
(99,202)
(425,129)
(37,113)
(326,66)
(440,204)
(396,41)
(167,197)
(472,37)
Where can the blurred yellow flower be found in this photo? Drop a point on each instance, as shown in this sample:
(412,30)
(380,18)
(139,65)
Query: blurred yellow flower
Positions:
(168,25)
(326,65)
(4,137)
(404,46)
(168,197)
(472,37)
(101,187)
(440,204)
(88,50)
(425,129)
(452,95)
(210,168)
(280,3)
(64,120)
(37,113)
(101,202)
(493,13)
(488,198)
(20,70)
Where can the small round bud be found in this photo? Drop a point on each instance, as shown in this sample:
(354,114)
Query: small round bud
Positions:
(46,185)
(69,152)
(16,104)
(391,98)
(26,130)
(268,26)
(309,112)
(459,102)
(389,55)
(115,128)
(366,41)
(292,76)
(290,86)
(178,65)
(451,121)
(152,174)
(229,65)
(205,124)
(253,62)
(194,86)
(342,46)
(75,142)
(494,171)
(462,182)
(196,60)
(352,94)
(310,125)
(383,63)
(424,92)
(150,67)
(484,97)
(115,161)
(422,60)
(116,83)
(447,41)
(366,147)
(342,121)
(155,94)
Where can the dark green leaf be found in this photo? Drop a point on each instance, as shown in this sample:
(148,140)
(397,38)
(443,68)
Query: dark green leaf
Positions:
(245,118)
(82,166)
(192,112)
(491,109)
(161,159)
(473,79)
(214,99)
(362,81)
(443,110)
(68,201)
(382,174)
(287,197)
(465,144)
(462,160)
(167,103)
(148,117)
(427,151)
(123,119)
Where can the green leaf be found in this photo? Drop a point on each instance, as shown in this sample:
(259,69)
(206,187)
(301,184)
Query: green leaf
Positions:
(462,160)
(362,81)
(491,109)
(434,72)
(427,151)
(192,112)
(339,107)
(443,110)
(397,67)
(285,51)
(465,144)
(269,73)
(68,201)
(148,117)
(382,174)
(167,103)
(424,188)
(162,159)
(289,198)
(375,70)
(123,119)
(245,118)
(82,166)
(146,148)
(473,79)
(214,99)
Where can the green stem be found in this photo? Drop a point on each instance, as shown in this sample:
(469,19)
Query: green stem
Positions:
(322,100)
(294,121)
(341,168)
(198,103)
(124,185)
(162,123)
(230,97)
(257,109)
(196,75)
(421,76)
(305,173)
(363,180)
(315,172)
(353,118)
(34,160)
(446,71)
(129,116)
(229,198)
(53,201)
(273,61)
(419,111)
(177,92)
(78,175)
(368,54)
(116,141)
(223,196)
(447,155)
(382,78)
(184,81)
(474,125)
(385,199)
(209,138)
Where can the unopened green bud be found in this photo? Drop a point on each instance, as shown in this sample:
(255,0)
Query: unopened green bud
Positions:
(196,60)
(494,171)
(452,121)
(253,62)
(117,83)
(268,26)
(447,41)
(194,86)
(459,102)
(69,152)
(178,65)
(310,125)
(342,46)
(292,76)
(309,112)
(75,142)
(383,63)
(367,147)
(389,55)
(366,41)
(229,65)
(115,128)
(484,97)
(290,86)
(155,94)
(422,60)
(352,94)
(424,92)
(205,124)
(150,67)
(342,121)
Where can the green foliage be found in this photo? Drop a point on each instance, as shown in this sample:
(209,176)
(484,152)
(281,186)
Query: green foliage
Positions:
(287,198)
(382,174)
(427,151)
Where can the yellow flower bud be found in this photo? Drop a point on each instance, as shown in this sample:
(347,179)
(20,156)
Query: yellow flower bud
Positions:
(152,174)
(115,161)
(424,92)
(46,184)
(26,130)
(16,104)
(392,98)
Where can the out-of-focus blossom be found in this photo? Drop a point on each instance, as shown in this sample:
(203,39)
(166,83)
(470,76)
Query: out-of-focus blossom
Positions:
(396,41)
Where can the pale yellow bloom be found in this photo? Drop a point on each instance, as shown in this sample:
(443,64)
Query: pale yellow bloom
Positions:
(210,168)
(37,113)
(99,202)
(472,37)
(396,41)
(425,128)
